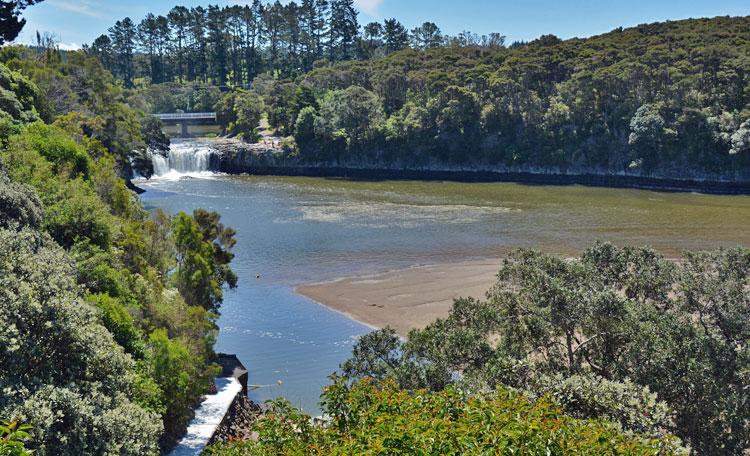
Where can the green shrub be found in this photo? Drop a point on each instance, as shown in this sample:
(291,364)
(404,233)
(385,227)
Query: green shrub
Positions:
(78,215)
(383,419)
(12,438)
(58,147)
(117,320)
(60,369)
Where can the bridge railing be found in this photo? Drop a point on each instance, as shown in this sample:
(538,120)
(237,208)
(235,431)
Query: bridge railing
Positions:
(187,116)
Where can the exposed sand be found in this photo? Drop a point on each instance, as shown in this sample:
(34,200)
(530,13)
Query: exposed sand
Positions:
(407,298)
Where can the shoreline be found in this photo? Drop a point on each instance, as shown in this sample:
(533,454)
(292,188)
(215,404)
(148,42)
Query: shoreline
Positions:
(407,298)
(235,157)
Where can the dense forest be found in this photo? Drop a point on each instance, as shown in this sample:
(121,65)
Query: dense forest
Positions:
(666,99)
(107,311)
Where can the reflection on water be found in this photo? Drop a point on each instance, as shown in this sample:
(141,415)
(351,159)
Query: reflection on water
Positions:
(295,230)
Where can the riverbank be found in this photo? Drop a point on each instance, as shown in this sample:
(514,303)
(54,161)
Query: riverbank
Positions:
(268,159)
(408,298)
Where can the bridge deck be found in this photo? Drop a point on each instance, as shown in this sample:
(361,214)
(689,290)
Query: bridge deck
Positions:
(181,116)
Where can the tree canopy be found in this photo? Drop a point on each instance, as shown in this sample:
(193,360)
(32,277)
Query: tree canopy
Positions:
(11,22)
(369,418)
(620,334)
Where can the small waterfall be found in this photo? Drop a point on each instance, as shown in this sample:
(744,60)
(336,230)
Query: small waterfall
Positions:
(185,159)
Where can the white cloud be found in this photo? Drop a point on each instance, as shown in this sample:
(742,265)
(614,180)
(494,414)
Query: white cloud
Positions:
(369,6)
(69,46)
(83,7)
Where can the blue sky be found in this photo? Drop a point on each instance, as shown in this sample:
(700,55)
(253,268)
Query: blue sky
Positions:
(74,22)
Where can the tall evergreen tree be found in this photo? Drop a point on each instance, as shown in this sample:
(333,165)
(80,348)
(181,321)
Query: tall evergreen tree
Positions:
(123,35)
(101,48)
(427,35)
(198,66)
(394,35)
(253,19)
(293,37)
(307,23)
(216,27)
(179,23)
(320,26)
(273,21)
(153,37)
(11,22)
(372,39)
(344,29)
(236,39)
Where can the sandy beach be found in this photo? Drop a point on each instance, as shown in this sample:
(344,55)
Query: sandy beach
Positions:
(407,298)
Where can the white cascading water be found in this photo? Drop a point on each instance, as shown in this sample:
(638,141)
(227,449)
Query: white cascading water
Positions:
(185,159)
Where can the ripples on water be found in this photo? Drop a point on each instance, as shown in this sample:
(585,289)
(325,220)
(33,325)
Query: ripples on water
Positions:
(296,230)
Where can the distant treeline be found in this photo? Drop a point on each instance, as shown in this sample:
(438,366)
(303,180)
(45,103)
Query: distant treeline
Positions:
(234,44)
(667,99)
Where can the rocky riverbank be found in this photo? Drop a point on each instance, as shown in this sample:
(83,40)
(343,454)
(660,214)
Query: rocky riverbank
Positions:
(268,158)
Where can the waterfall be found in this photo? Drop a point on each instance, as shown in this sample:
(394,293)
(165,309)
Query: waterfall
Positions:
(186,158)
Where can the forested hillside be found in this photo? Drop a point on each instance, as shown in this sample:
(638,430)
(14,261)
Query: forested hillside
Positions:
(667,100)
(107,312)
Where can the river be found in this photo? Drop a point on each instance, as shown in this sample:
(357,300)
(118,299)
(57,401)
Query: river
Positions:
(297,230)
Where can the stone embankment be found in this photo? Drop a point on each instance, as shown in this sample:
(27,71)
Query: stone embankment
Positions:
(225,414)
(242,412)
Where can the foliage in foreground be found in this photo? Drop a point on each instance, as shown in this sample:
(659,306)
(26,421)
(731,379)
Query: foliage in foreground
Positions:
(370,418)
(12,438)
(621,334)
(107,312)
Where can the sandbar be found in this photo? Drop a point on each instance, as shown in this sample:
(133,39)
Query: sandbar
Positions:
(407,298)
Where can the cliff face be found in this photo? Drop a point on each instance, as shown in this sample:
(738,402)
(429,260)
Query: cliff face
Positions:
(238,158)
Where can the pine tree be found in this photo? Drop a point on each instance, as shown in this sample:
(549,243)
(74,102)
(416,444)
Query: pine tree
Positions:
(307,33)
(197,66)
(372,39)
(252,18)
(236,39)
(101,48)
(273,21)
(179,23)
(320,26)
(344,29)
(395,36)
(428,35)
(123,35)
(216,27)
(292,37)
(153,37)
(11,23)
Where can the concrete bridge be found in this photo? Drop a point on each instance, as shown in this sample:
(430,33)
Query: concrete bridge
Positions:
(184,119)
